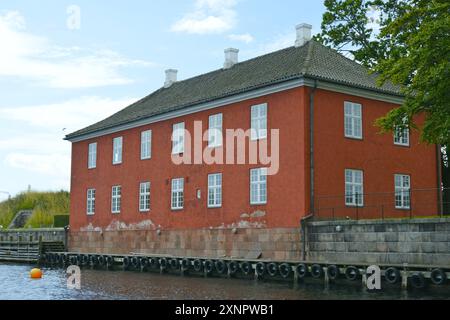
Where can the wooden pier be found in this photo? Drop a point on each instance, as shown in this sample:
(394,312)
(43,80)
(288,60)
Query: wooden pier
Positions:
(405,276)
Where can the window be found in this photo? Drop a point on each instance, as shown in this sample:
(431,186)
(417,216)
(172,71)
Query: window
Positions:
(354,191)
(259,122)
(402,191)
(177,194)
(258,186)
(90,202)
(144,197)
(401,135)
(92,157)
(116,199)
(117,150)
(215,131)
(178,138)
(353,120)
(215,190)
(146,145)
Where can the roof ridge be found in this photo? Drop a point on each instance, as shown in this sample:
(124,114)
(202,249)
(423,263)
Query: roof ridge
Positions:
(308,57)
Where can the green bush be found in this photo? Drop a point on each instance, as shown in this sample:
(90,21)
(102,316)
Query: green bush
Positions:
(44,205)
(60,221)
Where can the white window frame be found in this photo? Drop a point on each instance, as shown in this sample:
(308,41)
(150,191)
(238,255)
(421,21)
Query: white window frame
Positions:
(258,186)
(215,130)
(90,202)
(215,190)
(116,199)
(354,188)
(402,135)
(178,138)
(146,145)
(177,194)
(144,196)
(117,150)
(259,122)
(92,155)
(353,122)
(402,184)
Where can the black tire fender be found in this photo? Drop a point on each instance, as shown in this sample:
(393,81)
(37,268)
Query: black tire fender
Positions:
(285,270)
(438,277)
(209,266)
(316,271)
(272,269)
(392,275)
(352,273)
(246,267)
(221,266)
(301,270)
(233,267)
(418,281)
(333,272)
(198,265)
(260,268)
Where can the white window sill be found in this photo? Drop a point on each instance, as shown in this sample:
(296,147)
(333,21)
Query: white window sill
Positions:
(258,203)
(354,138)
(402,145)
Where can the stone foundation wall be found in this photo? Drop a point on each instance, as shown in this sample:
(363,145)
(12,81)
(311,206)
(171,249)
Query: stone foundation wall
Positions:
(416,241)
(277,244)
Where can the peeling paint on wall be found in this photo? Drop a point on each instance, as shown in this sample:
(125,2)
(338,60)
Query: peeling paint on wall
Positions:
(258,214)
(118,225)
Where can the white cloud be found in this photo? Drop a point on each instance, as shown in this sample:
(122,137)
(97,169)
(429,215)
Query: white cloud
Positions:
(35,58)
(40,148)
(247,38)
(209,16)
(280,42)
(55,165)
(71,115)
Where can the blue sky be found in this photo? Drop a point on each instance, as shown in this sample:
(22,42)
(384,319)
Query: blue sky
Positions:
(65,65)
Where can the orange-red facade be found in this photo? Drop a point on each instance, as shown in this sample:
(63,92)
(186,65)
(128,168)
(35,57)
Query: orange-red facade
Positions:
(288,192)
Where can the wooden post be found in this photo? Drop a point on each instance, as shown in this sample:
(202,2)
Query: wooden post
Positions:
(364,281)
(326,277)
(404,280)
(295,279)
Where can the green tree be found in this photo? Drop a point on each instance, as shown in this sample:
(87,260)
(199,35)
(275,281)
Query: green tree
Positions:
(406,42)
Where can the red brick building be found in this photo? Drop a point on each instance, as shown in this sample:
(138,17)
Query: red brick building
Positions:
(332,159)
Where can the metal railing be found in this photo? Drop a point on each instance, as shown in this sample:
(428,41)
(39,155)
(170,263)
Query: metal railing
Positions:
(412,203)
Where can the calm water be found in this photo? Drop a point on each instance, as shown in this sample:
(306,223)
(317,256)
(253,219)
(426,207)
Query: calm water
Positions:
(16,284)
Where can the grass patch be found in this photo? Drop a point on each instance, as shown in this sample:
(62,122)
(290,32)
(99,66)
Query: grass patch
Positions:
(44,205)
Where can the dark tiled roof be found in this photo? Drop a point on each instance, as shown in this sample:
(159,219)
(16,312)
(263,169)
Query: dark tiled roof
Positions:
(311,60)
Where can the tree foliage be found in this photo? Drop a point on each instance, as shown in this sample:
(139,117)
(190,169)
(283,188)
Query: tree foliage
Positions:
(406,42)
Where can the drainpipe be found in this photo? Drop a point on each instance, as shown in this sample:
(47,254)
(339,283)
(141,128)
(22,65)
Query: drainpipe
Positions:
(439,179)
(311,143)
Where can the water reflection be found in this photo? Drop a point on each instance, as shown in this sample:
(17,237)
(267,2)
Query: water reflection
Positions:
(16,284)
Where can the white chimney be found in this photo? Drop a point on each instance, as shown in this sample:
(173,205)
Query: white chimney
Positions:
(171,77)
(231,57)
(303,34)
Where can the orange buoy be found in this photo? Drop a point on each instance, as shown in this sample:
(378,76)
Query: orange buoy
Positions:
(36,273)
